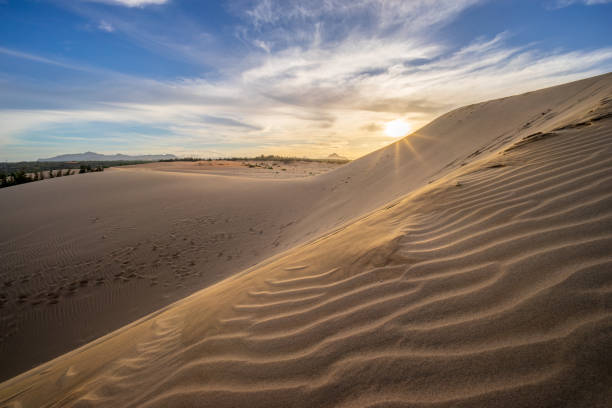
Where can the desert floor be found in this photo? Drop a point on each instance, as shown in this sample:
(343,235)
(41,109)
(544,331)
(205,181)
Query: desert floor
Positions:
(278,169)
(467,265)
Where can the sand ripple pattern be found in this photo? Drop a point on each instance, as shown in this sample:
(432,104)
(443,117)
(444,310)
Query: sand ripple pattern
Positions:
(498,293)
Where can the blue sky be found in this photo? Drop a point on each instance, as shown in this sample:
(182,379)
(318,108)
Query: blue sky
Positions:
(299,77)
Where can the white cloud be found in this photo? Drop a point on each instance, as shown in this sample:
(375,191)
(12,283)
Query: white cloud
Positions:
(36,58)
(384,12)
(131,3)
(566,3)
(303,88)
(303,23)
(313,107)
(106,26)
(263,45)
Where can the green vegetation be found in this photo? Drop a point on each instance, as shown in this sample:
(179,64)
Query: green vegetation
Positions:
(14,178)
(89,169)
(262,165)
(38,166)
(261,158)
(12,174)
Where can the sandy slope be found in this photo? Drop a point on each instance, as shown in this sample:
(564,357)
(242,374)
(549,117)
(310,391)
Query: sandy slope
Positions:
(83,255)
(489,286)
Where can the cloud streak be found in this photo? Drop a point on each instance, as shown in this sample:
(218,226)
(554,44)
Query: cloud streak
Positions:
(566,3)
(130,3)
(319,89)
(106,26)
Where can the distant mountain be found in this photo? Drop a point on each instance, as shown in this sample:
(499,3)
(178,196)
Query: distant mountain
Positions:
(91,156)
(335,156)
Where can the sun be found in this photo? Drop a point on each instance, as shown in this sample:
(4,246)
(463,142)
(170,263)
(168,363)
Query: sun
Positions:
(397,128)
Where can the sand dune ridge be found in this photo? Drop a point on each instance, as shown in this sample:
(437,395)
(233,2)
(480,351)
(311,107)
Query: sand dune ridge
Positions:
(489,286)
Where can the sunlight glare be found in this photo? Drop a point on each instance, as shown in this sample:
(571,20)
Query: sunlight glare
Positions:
(397,128)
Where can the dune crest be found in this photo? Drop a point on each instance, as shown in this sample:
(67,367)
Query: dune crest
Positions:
(487,283)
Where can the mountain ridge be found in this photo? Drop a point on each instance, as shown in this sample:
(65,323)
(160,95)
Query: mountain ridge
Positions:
(93,156)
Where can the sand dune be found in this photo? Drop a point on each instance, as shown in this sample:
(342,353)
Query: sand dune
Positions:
(465,266)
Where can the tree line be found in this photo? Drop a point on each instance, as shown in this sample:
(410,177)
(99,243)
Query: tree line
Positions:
(21,176)
(262,157)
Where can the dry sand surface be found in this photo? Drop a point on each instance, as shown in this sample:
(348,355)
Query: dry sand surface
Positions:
(279,169)
(468,265)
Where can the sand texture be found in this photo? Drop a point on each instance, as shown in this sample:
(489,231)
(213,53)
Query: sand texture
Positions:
(276,169)
(467,265)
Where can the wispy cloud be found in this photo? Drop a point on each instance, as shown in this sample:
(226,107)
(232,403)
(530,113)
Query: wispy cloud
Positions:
(37,58)
(285,24)
(307,85)
(130,3)
(566,3)
(106,26)
(414,14)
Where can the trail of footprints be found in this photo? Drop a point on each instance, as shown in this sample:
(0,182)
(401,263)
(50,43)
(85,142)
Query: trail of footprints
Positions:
(166,260)
(478,289)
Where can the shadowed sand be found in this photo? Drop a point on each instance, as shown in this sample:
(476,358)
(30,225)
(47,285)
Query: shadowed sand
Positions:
(467,265)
